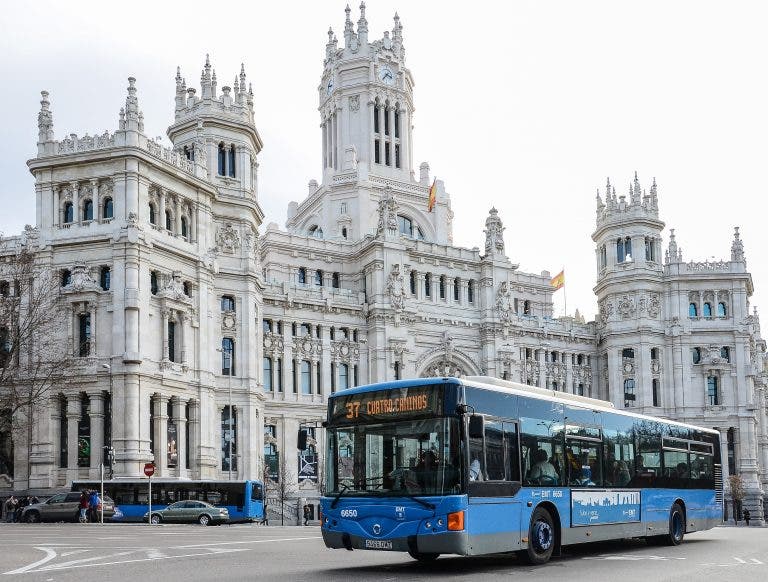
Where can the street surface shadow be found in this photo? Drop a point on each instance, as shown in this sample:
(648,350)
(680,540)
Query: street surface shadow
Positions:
(457,565)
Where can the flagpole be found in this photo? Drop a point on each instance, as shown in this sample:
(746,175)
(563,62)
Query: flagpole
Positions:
(565,293)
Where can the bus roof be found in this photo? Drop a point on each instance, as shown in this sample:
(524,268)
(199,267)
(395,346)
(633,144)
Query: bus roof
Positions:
(505,386)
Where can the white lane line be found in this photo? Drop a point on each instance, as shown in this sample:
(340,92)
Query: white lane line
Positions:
(72,553)
(756,561)
(74,563)
(57,567)
(50,554)
(263,541)
(739,560)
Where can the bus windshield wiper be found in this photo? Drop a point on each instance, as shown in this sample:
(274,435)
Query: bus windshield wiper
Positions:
(335,501)
(426,504)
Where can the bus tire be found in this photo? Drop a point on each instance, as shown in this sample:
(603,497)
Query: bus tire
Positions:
(541,538)
(676,526)
(423,556)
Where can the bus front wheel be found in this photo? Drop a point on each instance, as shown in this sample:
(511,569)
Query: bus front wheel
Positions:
(423,556)
(541,538)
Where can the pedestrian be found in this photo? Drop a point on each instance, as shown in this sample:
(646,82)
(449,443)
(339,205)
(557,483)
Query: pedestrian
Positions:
(746,516)
(83,507)
(23,502)
(93,506)
(307,513)
(10,509)
(266,515)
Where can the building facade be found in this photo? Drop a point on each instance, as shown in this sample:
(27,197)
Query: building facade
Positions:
(204,346)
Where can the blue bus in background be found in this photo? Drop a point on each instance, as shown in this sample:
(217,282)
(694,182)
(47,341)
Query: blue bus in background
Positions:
(480,466)
(243,499)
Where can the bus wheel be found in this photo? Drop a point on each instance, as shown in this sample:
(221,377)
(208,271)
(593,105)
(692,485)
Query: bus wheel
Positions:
(541,538)
(676,526)
(423,556)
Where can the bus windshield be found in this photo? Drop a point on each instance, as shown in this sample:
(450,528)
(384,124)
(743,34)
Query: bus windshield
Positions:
(395,458)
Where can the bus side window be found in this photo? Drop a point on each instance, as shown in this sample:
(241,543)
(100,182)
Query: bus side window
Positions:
(494,451)
(256,492)
(512,457)
(476,460)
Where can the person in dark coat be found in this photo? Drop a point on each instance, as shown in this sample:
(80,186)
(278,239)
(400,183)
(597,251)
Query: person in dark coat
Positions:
(307,513)
(746,516)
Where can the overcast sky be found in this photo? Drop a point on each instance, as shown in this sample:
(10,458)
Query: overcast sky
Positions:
(525,106)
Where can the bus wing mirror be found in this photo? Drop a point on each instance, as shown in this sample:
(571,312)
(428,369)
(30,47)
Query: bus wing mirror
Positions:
(302,439)
(476,425)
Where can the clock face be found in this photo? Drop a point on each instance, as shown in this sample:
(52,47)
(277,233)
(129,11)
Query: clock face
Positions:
(329,87)
(386,75)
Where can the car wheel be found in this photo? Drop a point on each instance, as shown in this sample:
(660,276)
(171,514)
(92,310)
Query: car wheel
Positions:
(204,519)
(155,519)
(32,517)
(541,538)
(423,556)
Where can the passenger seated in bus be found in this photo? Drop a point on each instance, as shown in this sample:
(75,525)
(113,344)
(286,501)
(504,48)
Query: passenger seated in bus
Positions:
(621,474)
(682,471)
(585,478)
(475,472)
(641,470)
(543,470)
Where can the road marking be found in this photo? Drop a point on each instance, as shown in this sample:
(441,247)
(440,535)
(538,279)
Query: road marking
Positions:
(739,560)
(50,555)
(756,561)
(247,542)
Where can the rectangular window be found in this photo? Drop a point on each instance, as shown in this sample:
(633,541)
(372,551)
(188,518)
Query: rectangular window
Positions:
(386,121)
(306,377)
(228,439)
(376,119)
(336,281)
(471,292)
(655,388)
(442,287)
(397,124)
(428,286)
(629,392)
(333,377)
(268,374)
(172,341)
(713,391)
(228,356)
(266,325)
(397,155)
(227,303)
(279,374)
(376,154)
(85,335)
(387,160)
(343,376)
(295,375)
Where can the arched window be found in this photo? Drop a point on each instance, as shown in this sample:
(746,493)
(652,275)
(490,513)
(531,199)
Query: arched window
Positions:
(184,232)
(387,109)
(66,277)
(725,353)
(696,355)
(88,209)
(471,291)
(603,257)
(693,310)
(69,213)
(343,376)
(397,120)
(315,231)
(428,285)
(152,217)
(722,310)
(318,278)
(268,374)
(344,232)
(189,153)
(713,391)
(706,310)
(154,285)
(442,286)
(620,250)
(222,159)
(306,377)
(650,249)
(227,356)
(302,276)
(227,303)
(376,117)
(629,392)
(108,209)
(168,221)
(231,161)
(405,225)
(106,278)
(456,289)
(413,282)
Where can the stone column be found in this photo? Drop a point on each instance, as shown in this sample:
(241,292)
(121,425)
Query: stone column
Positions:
(56,432)
(183,319)
(724,456)
(75,203)
(96,402)
(73,418)
(542,379)
(161,208)
(180,419)
(92,339)
(177,215)
(166,316)
(194,438)
(56,206)
(160,402)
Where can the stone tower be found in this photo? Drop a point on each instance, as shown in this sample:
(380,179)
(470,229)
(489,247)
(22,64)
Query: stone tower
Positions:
(218,131)
(630,295)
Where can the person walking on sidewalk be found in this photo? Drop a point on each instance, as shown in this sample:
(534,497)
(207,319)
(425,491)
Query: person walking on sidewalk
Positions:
(307,513)
(746,516)
(83,507)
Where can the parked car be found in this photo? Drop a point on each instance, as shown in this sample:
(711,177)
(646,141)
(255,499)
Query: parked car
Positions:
(63,507)
(190,512)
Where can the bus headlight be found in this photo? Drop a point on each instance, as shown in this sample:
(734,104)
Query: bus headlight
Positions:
(456,521)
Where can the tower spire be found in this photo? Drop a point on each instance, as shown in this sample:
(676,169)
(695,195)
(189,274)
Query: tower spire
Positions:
(397,35)
(44,119)
(362,26)
(349,31)
(737,247)
(132,117)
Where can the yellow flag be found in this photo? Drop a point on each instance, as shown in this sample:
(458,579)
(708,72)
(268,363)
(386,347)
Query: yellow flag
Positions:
(432,195)
(558,281)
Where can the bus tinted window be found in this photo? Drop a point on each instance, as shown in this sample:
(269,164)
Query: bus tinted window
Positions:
(585,465)
(485,401)
(618,450)
(647,465)
(542,442)
(494,451)
(676,469)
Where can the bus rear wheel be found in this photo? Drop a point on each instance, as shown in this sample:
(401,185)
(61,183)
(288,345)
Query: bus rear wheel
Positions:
(423,556)
(541,538)
(676,529)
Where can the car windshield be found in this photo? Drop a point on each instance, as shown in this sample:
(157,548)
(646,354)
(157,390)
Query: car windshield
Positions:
(417,457)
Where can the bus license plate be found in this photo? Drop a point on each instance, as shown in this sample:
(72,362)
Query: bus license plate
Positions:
(378,544)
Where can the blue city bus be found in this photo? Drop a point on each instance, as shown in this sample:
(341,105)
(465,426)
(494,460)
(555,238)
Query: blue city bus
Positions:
(243,499)
(480,466)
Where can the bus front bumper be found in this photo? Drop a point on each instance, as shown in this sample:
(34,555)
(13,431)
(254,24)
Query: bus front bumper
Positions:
(452,542)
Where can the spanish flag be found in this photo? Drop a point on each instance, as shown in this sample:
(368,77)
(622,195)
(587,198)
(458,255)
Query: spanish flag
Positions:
(432,195)
(558,281)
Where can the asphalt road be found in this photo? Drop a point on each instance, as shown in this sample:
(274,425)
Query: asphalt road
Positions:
(53,552)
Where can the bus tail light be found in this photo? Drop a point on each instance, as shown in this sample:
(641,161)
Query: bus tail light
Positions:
(456,521)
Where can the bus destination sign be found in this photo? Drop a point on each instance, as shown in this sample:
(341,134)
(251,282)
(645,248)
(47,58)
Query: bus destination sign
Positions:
(402,403)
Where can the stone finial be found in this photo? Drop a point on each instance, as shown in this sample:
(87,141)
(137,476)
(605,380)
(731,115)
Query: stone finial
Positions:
(132,117)
(242,77)
(349,30)
(44,119)
(424,173)
(213,84)
(362,26)
(737,247)
(494,233)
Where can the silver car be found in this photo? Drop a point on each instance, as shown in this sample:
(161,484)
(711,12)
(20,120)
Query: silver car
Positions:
(190,512)
(62,507)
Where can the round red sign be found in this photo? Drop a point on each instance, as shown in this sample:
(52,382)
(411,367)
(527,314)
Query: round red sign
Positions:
(149,469)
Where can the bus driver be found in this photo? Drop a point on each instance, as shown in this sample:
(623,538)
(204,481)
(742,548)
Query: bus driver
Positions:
(543,469)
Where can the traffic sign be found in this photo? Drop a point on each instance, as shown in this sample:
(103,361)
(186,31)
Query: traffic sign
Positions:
(149,469)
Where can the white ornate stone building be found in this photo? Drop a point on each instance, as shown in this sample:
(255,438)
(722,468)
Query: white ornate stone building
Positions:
(187,313)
